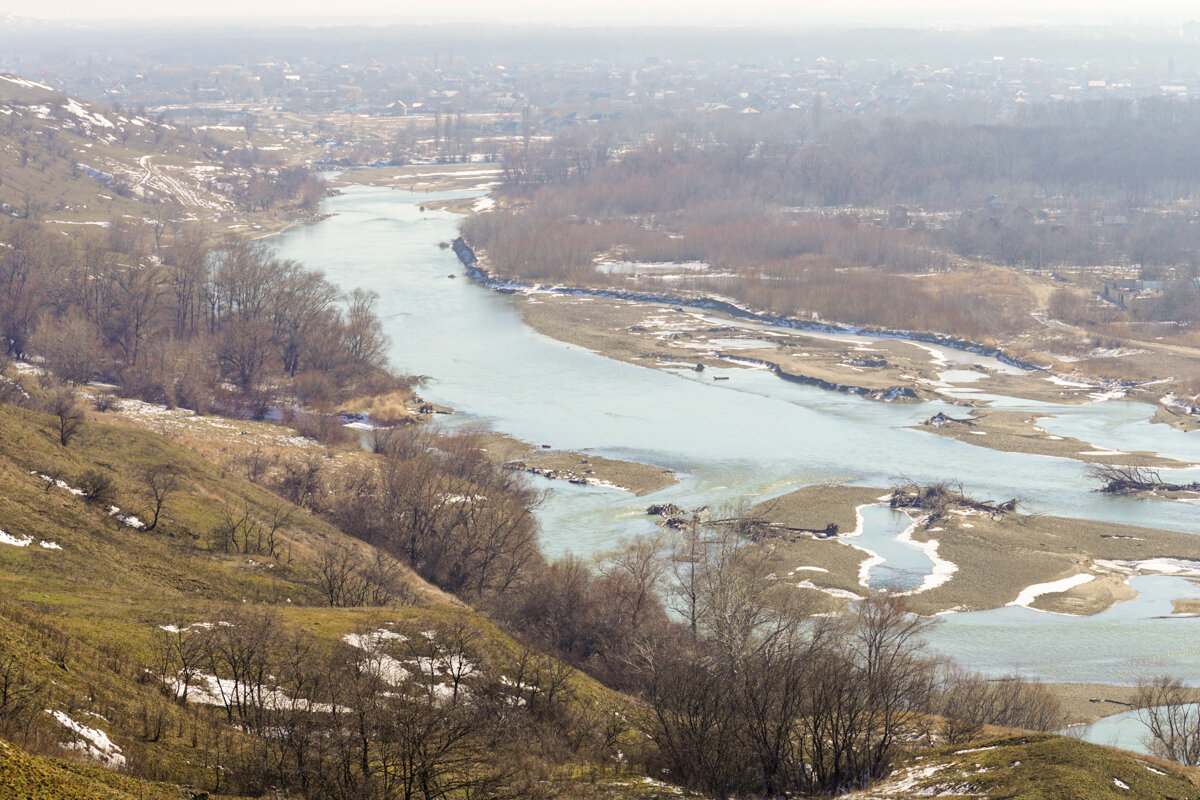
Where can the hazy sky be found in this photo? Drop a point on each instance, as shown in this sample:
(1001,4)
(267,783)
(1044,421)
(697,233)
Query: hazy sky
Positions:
(755,13)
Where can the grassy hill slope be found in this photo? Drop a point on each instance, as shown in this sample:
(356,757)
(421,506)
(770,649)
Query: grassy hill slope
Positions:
(28,777)
(1035,767)
(85,597)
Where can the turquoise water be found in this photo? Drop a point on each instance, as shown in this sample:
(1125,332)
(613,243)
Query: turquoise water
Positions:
(1126,730)
(751,437)
(1132,640)
(905,564)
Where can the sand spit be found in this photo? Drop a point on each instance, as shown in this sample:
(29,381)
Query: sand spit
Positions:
(982,561)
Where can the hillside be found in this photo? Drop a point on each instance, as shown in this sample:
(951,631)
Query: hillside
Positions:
(93,604)
(68,161)
(1033,768)
(28,776)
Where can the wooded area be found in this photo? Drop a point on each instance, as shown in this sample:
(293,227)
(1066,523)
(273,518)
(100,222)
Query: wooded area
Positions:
(173,317)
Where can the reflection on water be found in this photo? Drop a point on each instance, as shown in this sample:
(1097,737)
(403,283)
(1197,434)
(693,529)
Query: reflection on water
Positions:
(752,436)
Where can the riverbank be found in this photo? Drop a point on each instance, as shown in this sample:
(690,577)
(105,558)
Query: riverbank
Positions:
(431,179)
(979,560)
(668,337)
(1037,380)
(665,336)
(1019,432)
(582,468)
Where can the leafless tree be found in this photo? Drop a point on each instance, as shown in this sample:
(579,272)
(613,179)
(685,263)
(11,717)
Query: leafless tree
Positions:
(1172,715)
(19,690)
(634,573)
(338,571)
(71,346)
(65,408)
(180,652)
(158,483)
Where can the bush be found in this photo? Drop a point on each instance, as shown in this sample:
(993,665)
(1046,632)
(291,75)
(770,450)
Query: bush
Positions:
(98,487)
(103,401)
(324,428)
(315,388)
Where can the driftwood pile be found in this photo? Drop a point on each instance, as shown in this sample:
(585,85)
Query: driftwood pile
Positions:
(1135,480)
(937,500)
(754,528)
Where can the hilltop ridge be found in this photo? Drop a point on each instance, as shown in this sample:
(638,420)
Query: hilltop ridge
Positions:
(68,161)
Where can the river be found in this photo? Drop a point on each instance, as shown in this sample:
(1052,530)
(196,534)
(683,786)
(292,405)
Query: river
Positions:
(753,436)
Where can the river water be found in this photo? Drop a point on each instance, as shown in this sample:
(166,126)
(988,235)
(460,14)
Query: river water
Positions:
(753,436)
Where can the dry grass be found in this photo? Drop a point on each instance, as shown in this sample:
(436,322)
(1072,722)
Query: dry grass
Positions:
(392,408)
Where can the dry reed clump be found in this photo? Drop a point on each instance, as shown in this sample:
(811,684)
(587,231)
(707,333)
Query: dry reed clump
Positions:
(383,409)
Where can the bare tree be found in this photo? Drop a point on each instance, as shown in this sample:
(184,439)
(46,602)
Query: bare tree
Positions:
(634,574)
(158,483)
(180,652)
(338,571)
(19,692)
(71,347)
(64,406)
(1172,715)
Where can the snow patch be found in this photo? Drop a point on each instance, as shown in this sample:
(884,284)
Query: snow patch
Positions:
(73,107)
(24,541)
(1155,566)
(209,690)
(386,668)
(92,742)
(28,84)
(1068,383)
(841,594)
(942,571)
(1032,593)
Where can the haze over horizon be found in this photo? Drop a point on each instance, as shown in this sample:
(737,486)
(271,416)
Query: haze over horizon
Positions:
(672,13)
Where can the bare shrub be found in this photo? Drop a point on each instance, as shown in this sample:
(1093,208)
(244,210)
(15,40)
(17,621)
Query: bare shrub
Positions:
(98,487)
(346,577)
(324,428)
(968,701)
(302,482)
(105,401)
